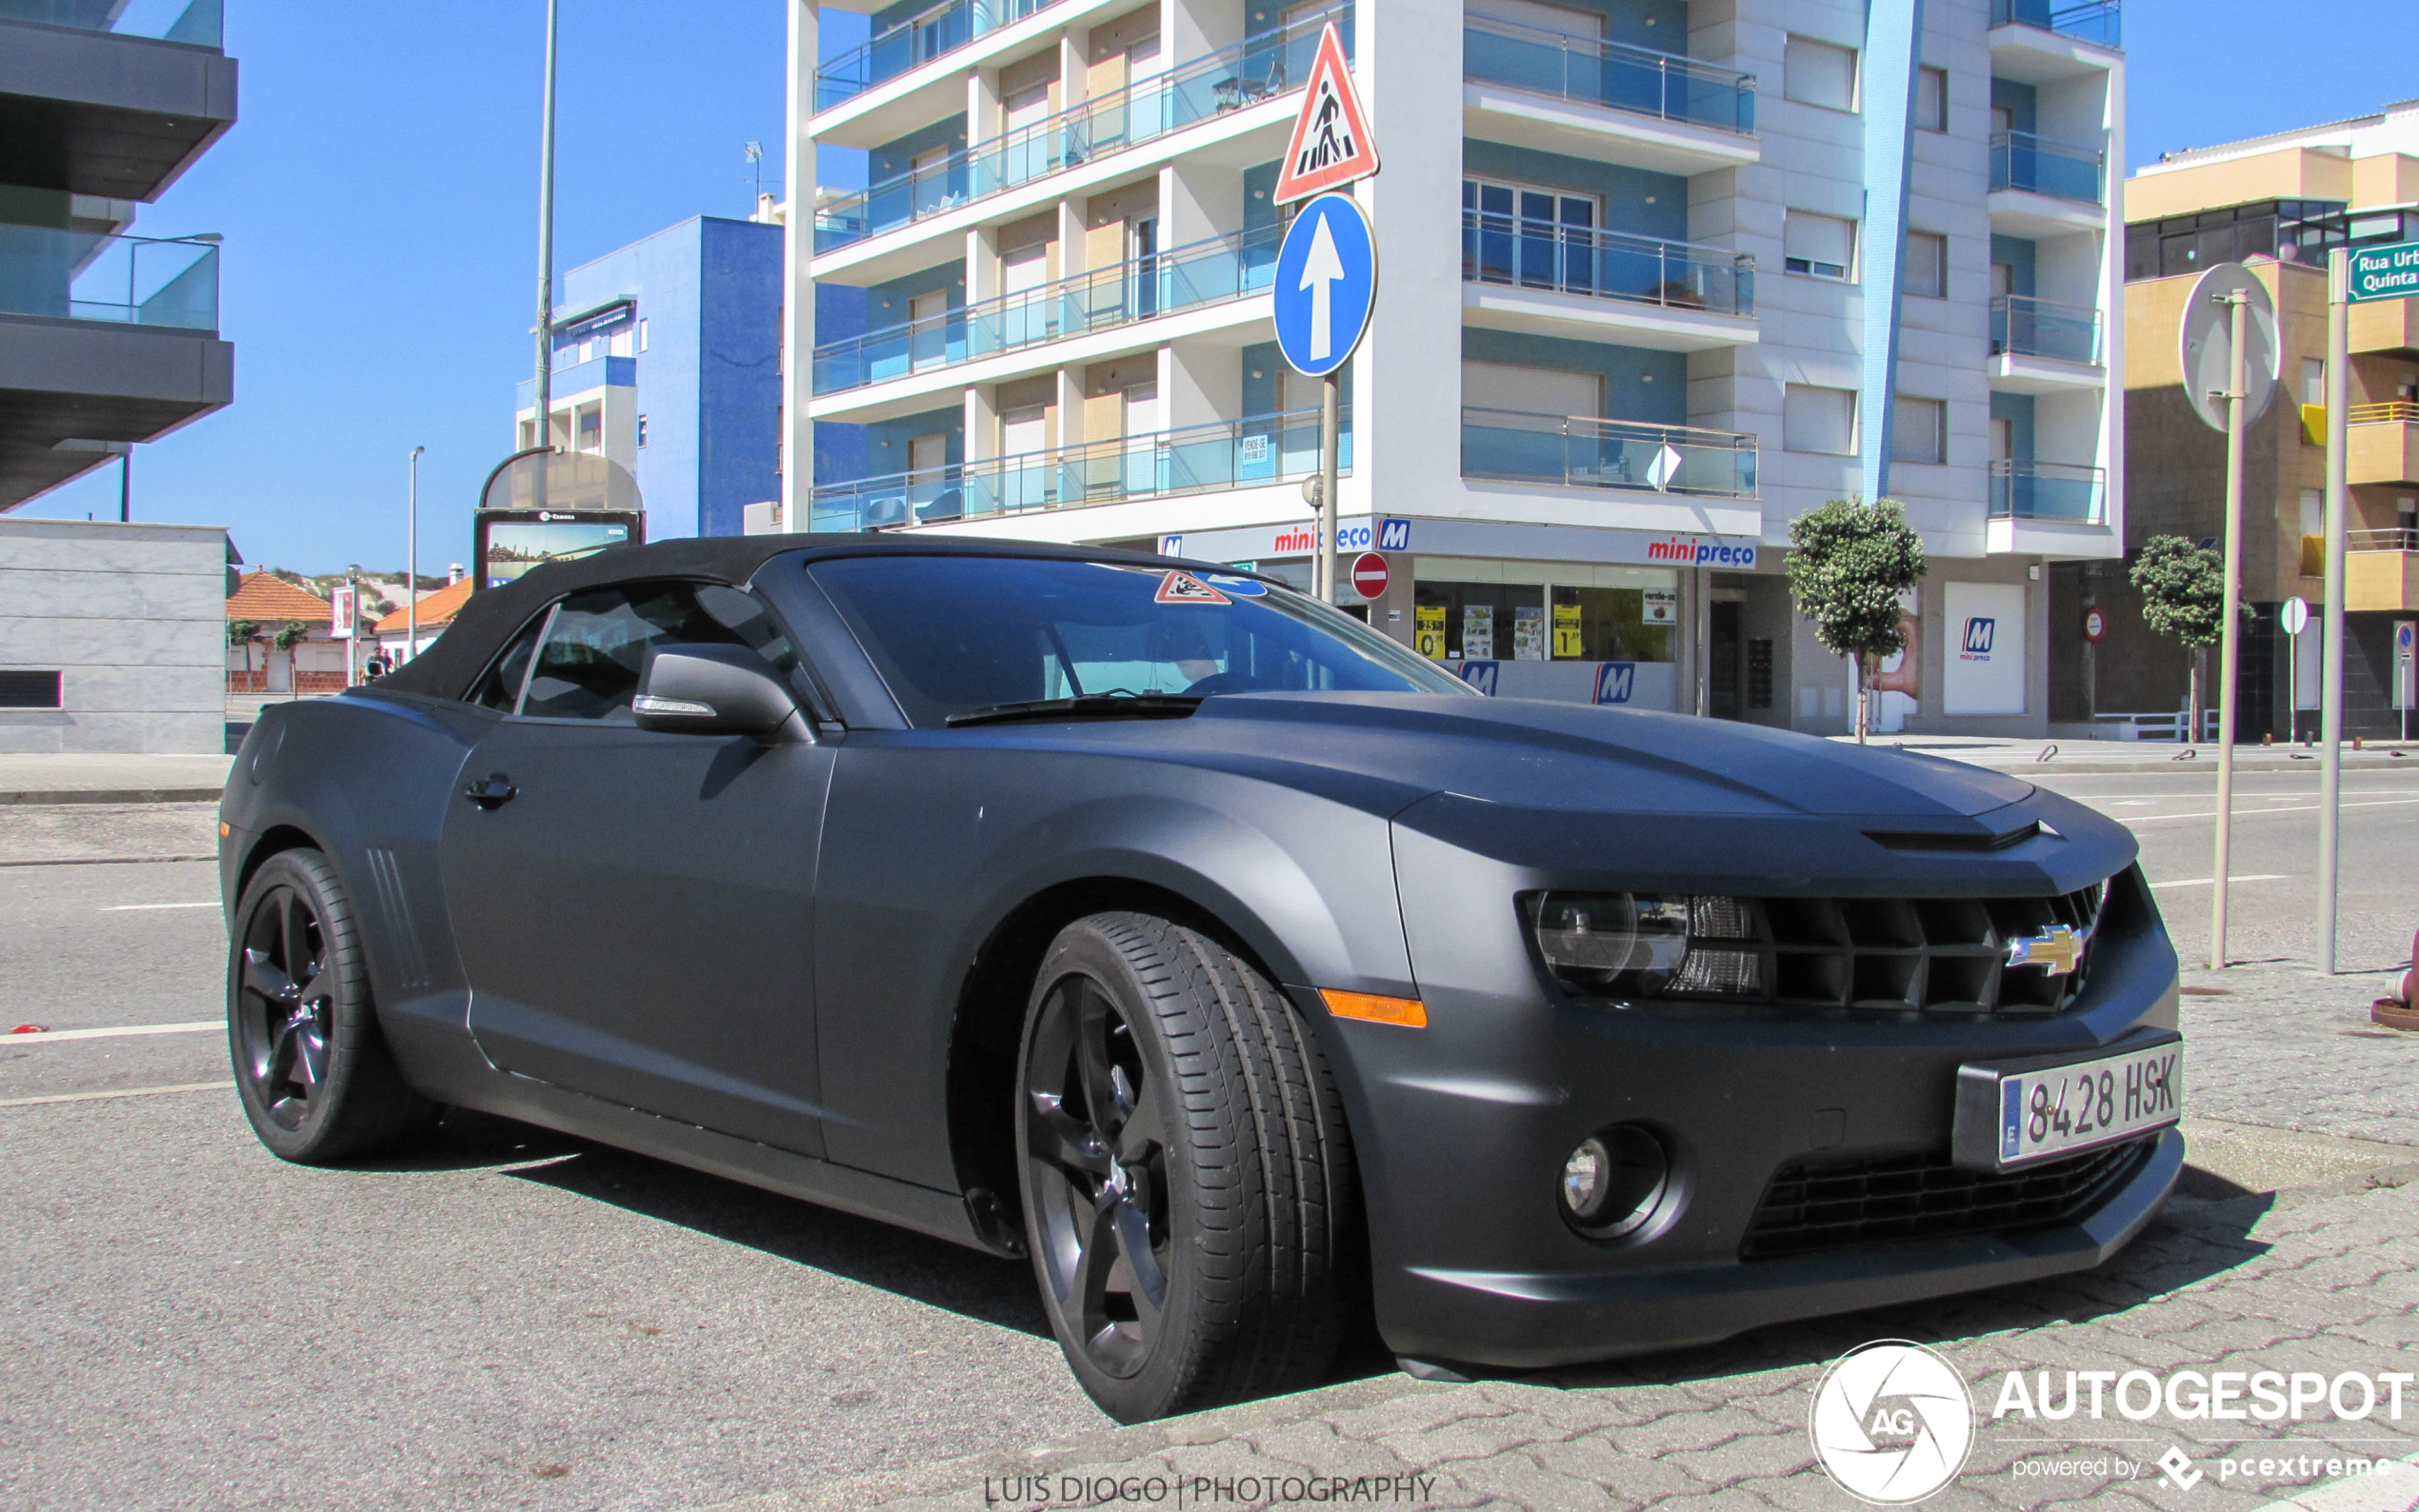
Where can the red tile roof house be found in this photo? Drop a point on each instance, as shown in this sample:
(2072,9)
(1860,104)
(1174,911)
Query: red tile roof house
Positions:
(313,665)
(436,611)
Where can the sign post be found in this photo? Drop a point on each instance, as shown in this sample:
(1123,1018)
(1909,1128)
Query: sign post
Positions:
(2292,617)
(2406,669)
(1327,271)
(2230,340)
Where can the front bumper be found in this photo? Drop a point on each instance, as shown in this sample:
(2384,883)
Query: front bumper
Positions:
(1462,1129)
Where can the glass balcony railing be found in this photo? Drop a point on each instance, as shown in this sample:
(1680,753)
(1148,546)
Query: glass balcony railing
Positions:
(1190,277)
(2023,161)
(199,23)
(1248,454)
(1604,265)
(1234,78)
(913,43)
(2044,328)
(125,280)
(1579,452)
(2049,490)
(1594,71)
(2092,21)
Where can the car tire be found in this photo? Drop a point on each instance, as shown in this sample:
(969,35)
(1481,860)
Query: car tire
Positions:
(315,1074)
(1188,1179)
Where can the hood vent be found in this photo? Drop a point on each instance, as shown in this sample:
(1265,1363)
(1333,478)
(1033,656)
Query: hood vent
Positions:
(1967,844)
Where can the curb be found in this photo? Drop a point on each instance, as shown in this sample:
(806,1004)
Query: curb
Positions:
(114,795)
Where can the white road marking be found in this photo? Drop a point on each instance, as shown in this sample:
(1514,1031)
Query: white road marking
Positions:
(2202,881)
(131,1091)
(197,1026)
(2245,813)
(140,907)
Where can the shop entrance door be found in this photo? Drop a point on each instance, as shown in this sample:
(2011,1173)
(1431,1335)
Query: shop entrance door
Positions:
(1722,653)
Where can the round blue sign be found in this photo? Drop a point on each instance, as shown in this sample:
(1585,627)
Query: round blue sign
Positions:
(1326,285)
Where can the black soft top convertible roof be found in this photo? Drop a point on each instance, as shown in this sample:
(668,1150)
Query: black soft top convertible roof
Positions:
(446,669)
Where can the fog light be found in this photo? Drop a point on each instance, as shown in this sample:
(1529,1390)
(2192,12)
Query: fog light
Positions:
(1614,1182)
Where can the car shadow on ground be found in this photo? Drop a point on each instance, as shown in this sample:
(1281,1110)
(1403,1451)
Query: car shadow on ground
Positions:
(2191,1242)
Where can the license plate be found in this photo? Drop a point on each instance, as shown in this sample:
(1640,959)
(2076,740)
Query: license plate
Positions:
(2037,1111)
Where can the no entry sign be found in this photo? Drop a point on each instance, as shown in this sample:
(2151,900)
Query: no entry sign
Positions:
(1368,575)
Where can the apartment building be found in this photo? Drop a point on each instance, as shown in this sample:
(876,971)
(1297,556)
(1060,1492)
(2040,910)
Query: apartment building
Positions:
(667,360)
(2278,204)
(1657,277)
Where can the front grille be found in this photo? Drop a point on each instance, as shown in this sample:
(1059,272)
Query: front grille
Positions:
(1818,1205)
(1943,955)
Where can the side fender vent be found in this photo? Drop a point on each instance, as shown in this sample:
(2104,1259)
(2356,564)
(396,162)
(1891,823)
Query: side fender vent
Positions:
(394,913)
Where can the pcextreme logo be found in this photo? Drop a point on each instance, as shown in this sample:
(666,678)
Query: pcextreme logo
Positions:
(1892,1423)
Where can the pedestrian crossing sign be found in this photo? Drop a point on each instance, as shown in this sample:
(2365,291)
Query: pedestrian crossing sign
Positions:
(1332,144)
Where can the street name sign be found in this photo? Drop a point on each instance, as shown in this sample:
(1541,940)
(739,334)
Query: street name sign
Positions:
(2385,272)
(1326,285)
(1332,144)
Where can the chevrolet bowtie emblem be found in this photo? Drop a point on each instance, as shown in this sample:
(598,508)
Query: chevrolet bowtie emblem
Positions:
(2056,950)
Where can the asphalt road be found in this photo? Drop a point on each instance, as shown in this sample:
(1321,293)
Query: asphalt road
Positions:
(516,1320)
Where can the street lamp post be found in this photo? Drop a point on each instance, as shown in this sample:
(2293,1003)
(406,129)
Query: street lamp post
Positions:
(411,564)
(546,253)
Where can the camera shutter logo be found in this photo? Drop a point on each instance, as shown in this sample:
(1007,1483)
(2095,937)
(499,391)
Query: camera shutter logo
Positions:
(1892,1423)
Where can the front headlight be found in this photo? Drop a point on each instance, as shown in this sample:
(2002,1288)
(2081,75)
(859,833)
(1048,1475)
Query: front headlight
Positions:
(1625,944)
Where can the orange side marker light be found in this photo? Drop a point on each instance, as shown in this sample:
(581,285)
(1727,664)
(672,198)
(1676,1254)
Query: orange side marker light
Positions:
(1409,1013)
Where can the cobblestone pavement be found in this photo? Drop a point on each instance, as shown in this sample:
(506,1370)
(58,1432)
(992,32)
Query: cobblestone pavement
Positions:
(2320,1282)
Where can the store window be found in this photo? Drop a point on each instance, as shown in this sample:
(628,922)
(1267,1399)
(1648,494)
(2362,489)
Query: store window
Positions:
(1480,622)
(1599,624)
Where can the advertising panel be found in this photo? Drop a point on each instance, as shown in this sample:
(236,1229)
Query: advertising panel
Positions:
(1982,657)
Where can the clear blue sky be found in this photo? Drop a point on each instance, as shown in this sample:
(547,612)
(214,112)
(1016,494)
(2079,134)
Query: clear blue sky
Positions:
(378,201)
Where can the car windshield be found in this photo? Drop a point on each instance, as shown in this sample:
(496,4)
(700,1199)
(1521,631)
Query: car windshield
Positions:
(956,634)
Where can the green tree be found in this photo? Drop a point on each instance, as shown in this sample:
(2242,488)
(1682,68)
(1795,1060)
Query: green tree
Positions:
(284,638)
(1850,562)
(245,633)
(2183,588)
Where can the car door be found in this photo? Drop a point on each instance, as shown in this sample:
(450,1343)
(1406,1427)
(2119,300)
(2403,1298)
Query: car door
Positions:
(635,908)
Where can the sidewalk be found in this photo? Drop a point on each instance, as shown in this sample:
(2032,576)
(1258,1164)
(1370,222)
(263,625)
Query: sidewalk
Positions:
(2320,1278)
(2009,755)
(91,777)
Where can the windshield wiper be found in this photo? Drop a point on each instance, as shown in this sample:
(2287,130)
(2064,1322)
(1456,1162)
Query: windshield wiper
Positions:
(1091,705)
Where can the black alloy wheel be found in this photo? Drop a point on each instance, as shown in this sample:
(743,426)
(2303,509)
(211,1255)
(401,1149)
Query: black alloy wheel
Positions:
(1188,1181)
(313,1072)
(1095,1129)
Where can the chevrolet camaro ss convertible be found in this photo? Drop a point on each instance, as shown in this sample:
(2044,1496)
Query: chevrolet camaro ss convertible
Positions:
(1246,972)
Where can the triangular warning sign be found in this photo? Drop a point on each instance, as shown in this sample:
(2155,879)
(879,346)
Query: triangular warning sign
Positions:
(1332,144)
(1183,587)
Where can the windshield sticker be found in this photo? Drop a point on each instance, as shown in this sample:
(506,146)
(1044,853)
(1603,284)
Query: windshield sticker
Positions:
(1183,587)
(1240,588)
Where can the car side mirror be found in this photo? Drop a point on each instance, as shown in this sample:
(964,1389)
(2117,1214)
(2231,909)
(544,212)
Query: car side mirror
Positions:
(715,690)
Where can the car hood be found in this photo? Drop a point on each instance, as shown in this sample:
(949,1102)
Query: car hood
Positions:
(1535,754)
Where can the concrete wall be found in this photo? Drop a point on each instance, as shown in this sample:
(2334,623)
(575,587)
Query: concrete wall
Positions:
(134,617)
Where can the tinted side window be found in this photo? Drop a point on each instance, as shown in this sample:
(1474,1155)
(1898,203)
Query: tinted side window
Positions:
(500,689)
(597,644)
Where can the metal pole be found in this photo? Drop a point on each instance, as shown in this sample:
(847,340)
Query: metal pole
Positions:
(352,577)
(546,258)
(1330,454)
(2331,675)
(411,565)
(2293,689)
(126,484)
(2230,655)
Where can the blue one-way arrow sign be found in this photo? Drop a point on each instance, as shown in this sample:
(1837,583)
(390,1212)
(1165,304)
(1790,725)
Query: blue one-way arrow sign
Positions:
(1326,285)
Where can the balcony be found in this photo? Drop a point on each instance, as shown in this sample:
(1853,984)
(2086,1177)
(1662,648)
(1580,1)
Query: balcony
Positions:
(2097,22)
(1591,98)
(103,339)
(2041,346)
(200,23)
(2056,492)
(100,103)
(1550,279)
(1217,84)
(1253,452)
(2382,442)
(2381,570)
(1193,277)
(1580,451)
(912,42)
(2040,187)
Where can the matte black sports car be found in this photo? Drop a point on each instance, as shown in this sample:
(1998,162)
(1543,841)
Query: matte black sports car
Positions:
(1242,968)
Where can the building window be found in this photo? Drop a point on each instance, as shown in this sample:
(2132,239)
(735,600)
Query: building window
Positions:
(1598,624)
(642,431)
(1918,429)
(590,428)
(642,334)
(1819,420)
(2313,380)
(1931,99)
(1818,246)
(1818,74)
(28,689)
(1928,264)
